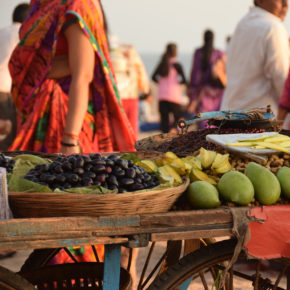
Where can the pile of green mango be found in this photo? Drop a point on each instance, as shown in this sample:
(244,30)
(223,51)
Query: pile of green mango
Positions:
(256,183)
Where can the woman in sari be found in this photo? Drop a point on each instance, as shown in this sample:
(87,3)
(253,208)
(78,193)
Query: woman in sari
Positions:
(63,85)
(208,77)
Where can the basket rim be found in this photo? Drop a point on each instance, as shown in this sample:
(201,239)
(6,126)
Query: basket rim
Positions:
(101,196)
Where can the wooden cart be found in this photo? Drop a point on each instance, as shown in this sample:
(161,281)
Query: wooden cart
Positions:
(137,231)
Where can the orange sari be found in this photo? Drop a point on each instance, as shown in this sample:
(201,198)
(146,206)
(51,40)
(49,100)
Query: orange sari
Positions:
(42,103)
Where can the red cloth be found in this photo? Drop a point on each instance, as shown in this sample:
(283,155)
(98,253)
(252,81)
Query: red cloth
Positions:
(270,234)
(131,108)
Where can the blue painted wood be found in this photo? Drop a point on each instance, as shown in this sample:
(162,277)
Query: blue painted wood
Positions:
(112,266)
(185,285)
(230,115)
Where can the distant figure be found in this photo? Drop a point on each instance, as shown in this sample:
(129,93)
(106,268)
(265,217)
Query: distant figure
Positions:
(284,104)
(169,76)
(208,77)
(258,58)
(8,40)
(132,80)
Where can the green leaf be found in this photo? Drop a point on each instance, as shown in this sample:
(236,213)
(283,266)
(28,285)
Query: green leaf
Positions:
(130,156)
(86,190)
(19,184)
(25,162)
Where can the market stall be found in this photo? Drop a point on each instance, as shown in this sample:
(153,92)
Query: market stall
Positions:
(224,181)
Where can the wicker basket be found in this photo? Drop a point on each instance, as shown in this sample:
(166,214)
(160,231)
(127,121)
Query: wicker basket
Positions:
(37,204)
(70,204)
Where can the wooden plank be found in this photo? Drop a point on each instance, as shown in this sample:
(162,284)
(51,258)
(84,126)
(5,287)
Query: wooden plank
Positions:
(111,277)
(59,243)
(157,237)
(186,218)
(18,227)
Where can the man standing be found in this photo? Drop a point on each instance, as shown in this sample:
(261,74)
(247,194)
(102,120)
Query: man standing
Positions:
(8,41)
(258,58)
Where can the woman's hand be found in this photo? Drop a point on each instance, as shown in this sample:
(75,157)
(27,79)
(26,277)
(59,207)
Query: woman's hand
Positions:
(70,150)
(219,70)
(70,144)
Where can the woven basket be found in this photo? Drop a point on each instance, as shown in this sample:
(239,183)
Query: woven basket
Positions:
(37,204)
(148,143)
(70,204)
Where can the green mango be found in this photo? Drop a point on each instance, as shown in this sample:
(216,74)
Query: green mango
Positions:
(202,194)
(283,176)
(266,185)
(236,187)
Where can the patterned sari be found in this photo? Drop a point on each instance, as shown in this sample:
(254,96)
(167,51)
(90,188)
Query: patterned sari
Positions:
(42,103)
(202,86)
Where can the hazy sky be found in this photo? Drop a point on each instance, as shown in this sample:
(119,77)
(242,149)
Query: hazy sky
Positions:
(150,24)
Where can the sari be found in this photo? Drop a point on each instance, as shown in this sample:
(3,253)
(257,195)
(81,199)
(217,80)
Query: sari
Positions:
(42,103)
(202,87)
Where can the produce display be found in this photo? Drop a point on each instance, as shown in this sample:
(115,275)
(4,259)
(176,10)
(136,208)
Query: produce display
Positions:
(110,172)
(223,178)
(217,177)
(187,144)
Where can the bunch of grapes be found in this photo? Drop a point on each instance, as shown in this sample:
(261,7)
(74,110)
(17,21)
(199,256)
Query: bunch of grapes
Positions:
(110,172)
(6,163)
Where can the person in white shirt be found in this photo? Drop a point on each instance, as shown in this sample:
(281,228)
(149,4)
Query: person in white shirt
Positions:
(258,58)
(8,40)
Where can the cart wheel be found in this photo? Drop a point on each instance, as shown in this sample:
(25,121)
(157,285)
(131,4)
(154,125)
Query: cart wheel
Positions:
(12,281)
(204,267)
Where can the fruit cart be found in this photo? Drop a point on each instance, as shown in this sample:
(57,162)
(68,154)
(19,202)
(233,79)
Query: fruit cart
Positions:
(248,234)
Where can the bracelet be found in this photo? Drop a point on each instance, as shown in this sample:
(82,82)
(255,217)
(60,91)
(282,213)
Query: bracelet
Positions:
(68,144)
(74,136)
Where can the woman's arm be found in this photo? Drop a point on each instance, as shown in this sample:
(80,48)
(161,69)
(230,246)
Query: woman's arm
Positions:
(179,69)
(81,59)
(155,76)
(219,70)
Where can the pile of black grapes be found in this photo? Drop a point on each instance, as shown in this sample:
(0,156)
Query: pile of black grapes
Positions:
(110,172)
(7,163)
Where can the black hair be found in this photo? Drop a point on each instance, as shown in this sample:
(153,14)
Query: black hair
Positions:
(164,63)
(207,49)
(255,3)
(20,12)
